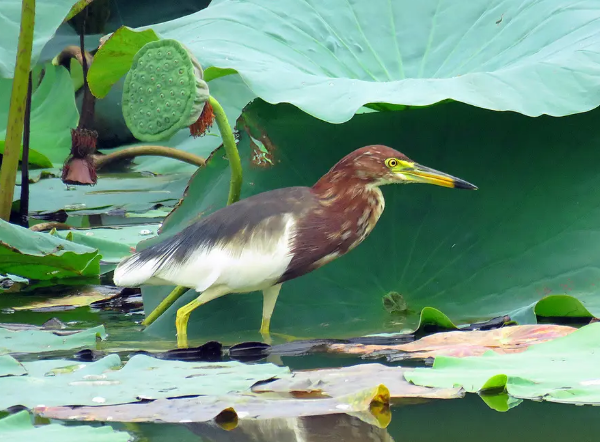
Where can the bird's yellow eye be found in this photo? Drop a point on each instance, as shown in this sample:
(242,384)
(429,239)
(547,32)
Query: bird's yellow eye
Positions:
(391,163)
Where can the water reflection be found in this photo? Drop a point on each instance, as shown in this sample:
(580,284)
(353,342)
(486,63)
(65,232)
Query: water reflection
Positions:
(340,427)
(458,420)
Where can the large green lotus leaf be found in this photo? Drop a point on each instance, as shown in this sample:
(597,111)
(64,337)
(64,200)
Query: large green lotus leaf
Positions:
(113,193)
(114,243)
(40,256)
(36,341)
(19,428)
(233,95)
(564,370)
(330,58)
(528,232)
(49,15)
(108,382)
(53,115)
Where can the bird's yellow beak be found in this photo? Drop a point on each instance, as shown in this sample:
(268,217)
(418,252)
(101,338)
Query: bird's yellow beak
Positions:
(413,172)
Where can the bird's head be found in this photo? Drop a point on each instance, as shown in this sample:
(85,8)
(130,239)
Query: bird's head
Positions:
(379,165)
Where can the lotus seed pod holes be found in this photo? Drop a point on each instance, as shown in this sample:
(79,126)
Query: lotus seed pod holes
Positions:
(164,91)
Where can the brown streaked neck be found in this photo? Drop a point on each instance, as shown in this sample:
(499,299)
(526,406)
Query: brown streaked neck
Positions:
(348,184)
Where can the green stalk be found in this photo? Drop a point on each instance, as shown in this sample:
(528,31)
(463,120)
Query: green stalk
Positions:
(235,185)
(235,190)
(16,113)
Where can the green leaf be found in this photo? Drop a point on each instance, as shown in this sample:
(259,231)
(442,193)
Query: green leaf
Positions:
(77,8)
(53,115)
(36,255)
(19,428)
(564,370)
(114,243)
(331,58)
(561,305)
(107,381)
(36,341)
(49,15)
(114,58)
(526,233)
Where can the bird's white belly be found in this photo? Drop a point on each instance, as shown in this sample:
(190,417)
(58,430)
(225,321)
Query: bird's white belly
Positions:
(258,265)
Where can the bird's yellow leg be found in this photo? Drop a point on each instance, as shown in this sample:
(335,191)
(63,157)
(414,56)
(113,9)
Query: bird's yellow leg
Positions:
(269,299)
(183,314)
(181,322)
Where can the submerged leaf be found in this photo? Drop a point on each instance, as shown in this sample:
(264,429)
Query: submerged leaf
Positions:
(36,341)
(82,297)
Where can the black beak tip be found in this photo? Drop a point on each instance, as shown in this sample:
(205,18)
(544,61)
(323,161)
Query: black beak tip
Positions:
(460,184)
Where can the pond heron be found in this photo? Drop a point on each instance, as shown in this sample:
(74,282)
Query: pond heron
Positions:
(262,241)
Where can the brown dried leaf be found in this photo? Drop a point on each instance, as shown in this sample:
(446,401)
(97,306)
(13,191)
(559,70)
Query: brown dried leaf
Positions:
(463,343)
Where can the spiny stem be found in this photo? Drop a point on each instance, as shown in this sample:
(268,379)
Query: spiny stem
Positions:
(165,304)
(235,190)
(24,206)
(16,113)
(235,185)
(161,151)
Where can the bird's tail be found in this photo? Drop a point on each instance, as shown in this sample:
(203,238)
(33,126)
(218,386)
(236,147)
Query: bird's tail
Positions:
(135,271)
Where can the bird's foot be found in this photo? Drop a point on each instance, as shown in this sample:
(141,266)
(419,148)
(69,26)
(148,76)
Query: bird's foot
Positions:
(181,323)
(182,341)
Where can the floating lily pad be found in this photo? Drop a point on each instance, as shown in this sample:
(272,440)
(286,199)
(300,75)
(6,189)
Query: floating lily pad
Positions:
(114,243)
(107,381)
(330,58)
(113,193)
(337,382)
(36,341)
(9,366)
(20,428)
(370,405)
(563,370)
(40,256)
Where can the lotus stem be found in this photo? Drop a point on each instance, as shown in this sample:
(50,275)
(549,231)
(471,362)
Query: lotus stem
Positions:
(165,304)
(16,113)
(161,151)
(235,185)
(235,190)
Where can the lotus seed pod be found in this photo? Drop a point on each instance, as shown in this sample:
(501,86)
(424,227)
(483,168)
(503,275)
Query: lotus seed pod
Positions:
(164,91)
